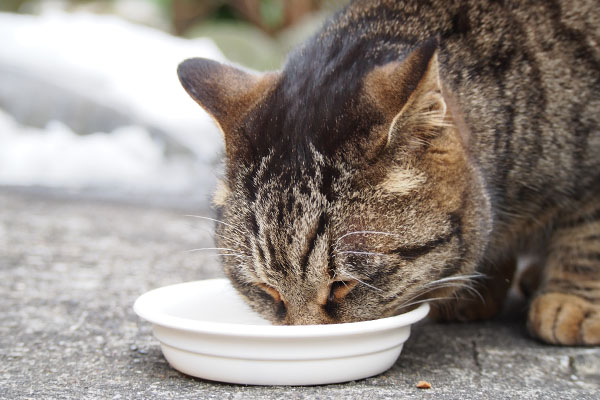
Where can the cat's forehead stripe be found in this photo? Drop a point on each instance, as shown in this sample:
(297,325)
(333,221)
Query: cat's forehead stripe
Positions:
(319,230)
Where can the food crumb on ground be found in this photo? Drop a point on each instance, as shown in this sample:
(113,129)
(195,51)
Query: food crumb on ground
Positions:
(423,385)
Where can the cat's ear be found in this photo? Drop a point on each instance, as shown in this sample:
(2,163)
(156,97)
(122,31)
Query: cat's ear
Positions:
(409,95)
(225,92)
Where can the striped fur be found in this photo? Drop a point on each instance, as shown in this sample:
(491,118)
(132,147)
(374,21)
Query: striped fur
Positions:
(409,149)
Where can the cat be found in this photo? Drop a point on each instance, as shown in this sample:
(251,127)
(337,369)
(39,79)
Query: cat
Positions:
(410,151)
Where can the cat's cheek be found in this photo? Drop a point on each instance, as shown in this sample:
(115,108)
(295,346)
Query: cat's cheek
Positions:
(221,194)
(273,312)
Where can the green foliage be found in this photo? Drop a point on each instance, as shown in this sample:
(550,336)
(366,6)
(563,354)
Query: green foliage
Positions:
(11,5)
(224,13)
(272,13)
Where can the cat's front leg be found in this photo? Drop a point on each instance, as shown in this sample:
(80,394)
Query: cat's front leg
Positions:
(566,308)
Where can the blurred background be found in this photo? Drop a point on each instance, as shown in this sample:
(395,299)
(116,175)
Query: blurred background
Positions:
(90,104)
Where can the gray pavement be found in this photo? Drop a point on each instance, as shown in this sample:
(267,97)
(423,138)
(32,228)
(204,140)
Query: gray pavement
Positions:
(70,270)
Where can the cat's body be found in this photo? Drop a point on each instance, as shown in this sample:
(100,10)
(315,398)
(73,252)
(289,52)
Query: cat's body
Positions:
(409,146)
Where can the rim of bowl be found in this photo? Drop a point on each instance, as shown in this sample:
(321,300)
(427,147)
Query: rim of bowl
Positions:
(142,308)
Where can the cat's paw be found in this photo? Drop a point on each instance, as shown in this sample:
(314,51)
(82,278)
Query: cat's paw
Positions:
(566,319)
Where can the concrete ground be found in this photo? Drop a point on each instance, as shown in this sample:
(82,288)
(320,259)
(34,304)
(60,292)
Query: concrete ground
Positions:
(70,270)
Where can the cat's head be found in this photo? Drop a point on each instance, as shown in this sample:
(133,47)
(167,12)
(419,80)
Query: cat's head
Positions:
(349,194)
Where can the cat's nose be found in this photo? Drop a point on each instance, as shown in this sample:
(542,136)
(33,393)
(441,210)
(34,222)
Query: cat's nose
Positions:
(307,314)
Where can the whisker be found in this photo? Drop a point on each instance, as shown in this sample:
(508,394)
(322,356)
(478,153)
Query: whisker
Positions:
(227,238)
(404,305)
(445,285)
(426,290)
(363,282)
(467,285)
(456,278)
(211,248)
(241,256)
(217,221)
(471,289)
(215,248)
(368,253)
(423,301)
(233,255)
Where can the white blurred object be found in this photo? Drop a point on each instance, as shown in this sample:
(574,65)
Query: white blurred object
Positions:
(127,160)
(127,67)
(97,73)
(139,11)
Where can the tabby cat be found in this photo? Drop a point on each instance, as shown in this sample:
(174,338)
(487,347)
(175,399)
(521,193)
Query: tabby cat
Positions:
(409,152)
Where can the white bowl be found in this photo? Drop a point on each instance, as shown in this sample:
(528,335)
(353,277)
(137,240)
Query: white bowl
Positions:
(206,330)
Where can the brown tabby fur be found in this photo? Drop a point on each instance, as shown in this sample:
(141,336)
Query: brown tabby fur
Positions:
(410,151)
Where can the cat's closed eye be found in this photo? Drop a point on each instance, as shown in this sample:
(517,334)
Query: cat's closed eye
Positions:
(281,308)
(271,291)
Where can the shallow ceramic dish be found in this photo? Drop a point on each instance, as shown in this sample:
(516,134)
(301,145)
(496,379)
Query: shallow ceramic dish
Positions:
(206,330)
